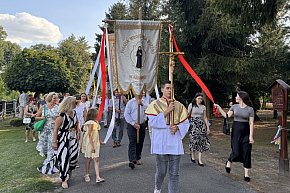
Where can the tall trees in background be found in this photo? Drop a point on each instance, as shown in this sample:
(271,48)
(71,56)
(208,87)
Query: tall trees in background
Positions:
(43,68)
(38,71)
(78,61)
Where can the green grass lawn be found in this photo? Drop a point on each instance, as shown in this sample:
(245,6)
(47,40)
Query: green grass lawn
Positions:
(18,162)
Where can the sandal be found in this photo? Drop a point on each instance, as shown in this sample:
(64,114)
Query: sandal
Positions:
(98,180)
(87,178)
(64,185)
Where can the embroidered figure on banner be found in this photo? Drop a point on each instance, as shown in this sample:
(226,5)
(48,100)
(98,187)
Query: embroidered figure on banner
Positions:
(139,57)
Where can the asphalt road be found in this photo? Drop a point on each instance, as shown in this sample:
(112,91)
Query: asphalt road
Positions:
(119,178)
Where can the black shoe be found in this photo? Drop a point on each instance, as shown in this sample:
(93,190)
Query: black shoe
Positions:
(228,170)
(247,178)
(114,145)
(200,164)
(118,144)
(132,165)
(192,160)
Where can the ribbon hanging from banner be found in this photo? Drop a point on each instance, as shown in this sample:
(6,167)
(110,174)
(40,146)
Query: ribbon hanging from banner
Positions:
(103,68)
(92,76)
(112,123)
(190,70)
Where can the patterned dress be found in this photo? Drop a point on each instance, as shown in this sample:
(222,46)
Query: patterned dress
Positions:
(198,140)
(46,135)
(67,152)
(65,157)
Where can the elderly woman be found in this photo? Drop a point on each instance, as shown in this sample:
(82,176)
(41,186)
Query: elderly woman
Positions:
(49,112)
(66,136)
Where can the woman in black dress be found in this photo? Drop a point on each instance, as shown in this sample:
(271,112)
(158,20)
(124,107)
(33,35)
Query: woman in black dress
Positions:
(242,136)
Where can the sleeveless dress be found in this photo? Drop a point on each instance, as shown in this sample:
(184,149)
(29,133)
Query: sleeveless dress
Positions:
(31,109)
(198,140)
(86,145)
(66,156)
(46,135)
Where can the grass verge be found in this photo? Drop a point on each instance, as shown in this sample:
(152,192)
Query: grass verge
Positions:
(18,162)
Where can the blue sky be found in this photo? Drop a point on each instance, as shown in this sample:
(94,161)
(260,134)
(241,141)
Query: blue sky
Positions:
(28,22)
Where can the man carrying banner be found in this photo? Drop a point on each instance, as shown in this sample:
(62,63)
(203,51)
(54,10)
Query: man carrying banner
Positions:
(167,137)
(131,116)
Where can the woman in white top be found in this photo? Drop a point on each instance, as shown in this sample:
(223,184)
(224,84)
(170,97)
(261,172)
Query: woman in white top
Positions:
(81,109)
(199,129)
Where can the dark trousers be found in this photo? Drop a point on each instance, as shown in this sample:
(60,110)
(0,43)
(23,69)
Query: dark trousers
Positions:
(135,150)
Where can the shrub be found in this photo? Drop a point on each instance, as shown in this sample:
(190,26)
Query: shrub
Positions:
(17,122)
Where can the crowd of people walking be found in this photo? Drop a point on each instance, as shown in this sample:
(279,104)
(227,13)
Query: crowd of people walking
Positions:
(70,129)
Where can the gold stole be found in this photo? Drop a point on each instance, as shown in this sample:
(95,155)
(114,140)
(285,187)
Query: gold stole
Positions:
(160,105)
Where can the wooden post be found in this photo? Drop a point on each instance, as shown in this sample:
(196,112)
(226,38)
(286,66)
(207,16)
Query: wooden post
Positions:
(171,70)
(283,159)
(138,120)
(138,117)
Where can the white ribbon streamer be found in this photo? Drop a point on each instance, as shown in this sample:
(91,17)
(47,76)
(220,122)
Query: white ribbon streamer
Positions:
(93,73)
(112,124)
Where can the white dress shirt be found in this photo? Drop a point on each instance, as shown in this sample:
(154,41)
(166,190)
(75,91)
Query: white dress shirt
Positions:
(131,112)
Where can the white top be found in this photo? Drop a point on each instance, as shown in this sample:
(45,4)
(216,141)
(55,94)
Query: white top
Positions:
(162,141)
(23,100)
(131,112)
(122,106)
(80,113)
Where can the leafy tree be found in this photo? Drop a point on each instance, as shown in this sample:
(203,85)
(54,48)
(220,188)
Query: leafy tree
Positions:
(217,39)
(8,50)
(77,58)
(3,33)
(38,71)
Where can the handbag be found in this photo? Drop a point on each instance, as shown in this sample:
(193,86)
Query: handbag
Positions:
(226,126)
(26,120)
(38,126)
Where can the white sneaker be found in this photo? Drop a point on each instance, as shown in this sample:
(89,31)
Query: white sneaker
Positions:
(157,191)
(87,178)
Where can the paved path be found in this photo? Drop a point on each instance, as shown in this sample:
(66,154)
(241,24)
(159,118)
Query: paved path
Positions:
(119,178)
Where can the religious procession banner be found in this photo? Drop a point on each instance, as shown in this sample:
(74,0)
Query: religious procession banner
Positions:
(136,51)
(112,48)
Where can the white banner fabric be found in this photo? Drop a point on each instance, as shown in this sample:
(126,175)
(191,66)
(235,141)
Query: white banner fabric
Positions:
(137,48)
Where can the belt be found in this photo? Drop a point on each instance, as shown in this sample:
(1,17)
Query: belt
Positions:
(72,129)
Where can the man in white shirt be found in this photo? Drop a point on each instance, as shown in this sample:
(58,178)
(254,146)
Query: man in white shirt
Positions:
(22,103)
(120,123)
(131,116)
(167,135)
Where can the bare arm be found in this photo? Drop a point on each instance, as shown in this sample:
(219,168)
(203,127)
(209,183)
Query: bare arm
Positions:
(39,114)
(223,113)
(57,125)
(206,121)
(251,137)
(26,111)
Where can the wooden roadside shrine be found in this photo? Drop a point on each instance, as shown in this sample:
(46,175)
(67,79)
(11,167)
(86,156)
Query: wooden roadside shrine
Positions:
(279,90)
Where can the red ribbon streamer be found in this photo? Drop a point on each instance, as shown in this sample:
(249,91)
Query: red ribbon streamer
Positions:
(103,69)
(193,74)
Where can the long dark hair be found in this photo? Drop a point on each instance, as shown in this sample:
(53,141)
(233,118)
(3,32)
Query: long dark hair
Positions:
(194,99)
(245,97)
